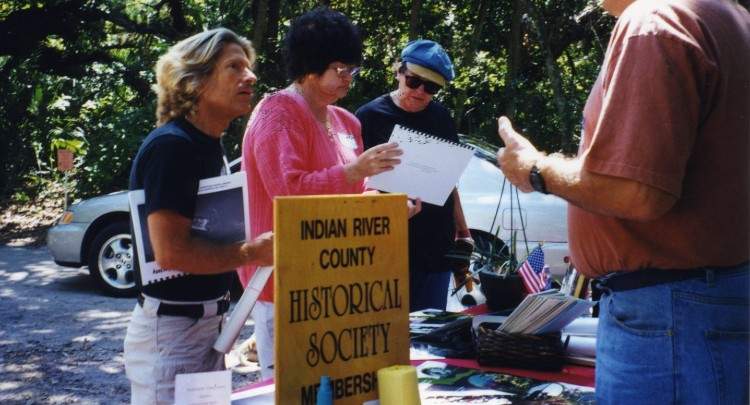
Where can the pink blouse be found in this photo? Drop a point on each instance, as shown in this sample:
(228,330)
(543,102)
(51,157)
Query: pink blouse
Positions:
(286,151)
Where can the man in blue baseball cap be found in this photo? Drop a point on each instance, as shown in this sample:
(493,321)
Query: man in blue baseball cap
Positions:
(423,69)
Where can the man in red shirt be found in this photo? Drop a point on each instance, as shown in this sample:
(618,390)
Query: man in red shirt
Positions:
(659,200)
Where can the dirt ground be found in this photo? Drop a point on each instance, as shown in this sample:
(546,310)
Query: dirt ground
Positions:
(60,338)
(26,223)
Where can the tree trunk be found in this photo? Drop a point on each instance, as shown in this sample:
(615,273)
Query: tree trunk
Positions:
(554,76)
(176,11)
(514,59)
(416,7)
(269,67)
(261,23)
(468,57)
(272,30)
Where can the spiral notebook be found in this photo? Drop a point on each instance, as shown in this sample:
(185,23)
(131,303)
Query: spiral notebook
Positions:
(430,167)
(219,217)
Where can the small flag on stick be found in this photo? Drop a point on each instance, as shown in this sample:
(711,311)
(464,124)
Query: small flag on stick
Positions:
(533,273)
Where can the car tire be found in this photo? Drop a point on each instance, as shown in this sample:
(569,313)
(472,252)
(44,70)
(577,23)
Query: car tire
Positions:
(110,260)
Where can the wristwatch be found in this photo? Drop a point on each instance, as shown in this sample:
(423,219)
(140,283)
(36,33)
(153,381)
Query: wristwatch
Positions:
(537,181)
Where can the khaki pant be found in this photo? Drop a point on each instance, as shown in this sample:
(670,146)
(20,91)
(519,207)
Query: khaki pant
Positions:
(157,348)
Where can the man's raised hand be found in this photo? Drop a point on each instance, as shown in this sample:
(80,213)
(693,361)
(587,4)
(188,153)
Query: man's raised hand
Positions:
(517,157)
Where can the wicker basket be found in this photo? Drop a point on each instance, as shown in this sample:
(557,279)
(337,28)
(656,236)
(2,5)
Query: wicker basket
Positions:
(536,352)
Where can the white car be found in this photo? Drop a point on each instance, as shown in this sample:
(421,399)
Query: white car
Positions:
(536,218)
(96,233)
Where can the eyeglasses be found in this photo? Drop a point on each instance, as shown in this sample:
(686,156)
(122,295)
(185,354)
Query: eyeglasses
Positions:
(413,82)
(346,71)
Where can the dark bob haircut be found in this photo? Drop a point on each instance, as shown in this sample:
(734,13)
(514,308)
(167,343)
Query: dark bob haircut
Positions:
(318,38)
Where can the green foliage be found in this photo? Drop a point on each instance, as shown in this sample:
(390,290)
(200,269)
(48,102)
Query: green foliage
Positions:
(77,73)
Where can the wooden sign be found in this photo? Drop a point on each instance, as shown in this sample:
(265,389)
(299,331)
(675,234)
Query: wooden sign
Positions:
(341,294)
(64,160)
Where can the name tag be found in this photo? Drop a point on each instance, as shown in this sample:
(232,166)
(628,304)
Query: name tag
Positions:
(347,140)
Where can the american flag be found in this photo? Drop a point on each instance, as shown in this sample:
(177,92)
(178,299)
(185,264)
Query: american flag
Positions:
(534,273)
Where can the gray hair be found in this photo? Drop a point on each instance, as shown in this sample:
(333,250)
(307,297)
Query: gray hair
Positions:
(181,71)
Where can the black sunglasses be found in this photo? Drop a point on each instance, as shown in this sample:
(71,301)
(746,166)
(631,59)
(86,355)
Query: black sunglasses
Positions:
(413,82)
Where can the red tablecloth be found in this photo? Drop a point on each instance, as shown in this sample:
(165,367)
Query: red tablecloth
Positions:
(477,310)
(573,374)
(579,375)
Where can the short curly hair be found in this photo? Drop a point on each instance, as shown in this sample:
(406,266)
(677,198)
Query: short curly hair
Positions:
(182,70)
(318,38)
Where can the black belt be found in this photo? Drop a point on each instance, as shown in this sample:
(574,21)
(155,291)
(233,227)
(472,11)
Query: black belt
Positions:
(652,277)
(187,310)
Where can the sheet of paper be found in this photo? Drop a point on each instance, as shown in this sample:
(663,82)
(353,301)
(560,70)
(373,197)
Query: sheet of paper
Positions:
(210,388)
(582,327)
(430,167)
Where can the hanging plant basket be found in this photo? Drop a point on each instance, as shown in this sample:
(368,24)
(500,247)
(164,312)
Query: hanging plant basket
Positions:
(494,263)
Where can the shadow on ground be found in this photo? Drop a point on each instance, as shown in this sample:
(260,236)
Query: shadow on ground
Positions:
(60,337)
(61,340)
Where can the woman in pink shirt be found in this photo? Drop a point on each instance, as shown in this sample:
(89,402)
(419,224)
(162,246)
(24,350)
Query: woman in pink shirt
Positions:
(298,143)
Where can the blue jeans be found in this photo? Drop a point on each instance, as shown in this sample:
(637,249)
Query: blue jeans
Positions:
(682,342)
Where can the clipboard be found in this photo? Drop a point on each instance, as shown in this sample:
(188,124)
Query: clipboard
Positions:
(430,167)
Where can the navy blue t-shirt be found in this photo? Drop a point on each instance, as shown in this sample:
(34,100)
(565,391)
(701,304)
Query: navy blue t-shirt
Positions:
(169,164)
(431,232)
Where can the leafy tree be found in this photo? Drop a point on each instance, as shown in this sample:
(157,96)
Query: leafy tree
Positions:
(79,72)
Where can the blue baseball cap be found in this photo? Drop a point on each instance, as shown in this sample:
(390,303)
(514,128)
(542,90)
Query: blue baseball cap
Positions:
(430,59)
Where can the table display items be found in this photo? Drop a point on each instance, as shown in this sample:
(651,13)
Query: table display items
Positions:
(494,264)
(325,395)
(441,383)
(530,337)
(441,333)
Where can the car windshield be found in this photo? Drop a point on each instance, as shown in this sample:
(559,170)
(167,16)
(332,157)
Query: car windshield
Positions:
(482,149)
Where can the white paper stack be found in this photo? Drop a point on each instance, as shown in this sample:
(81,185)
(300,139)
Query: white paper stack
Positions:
(544,312)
